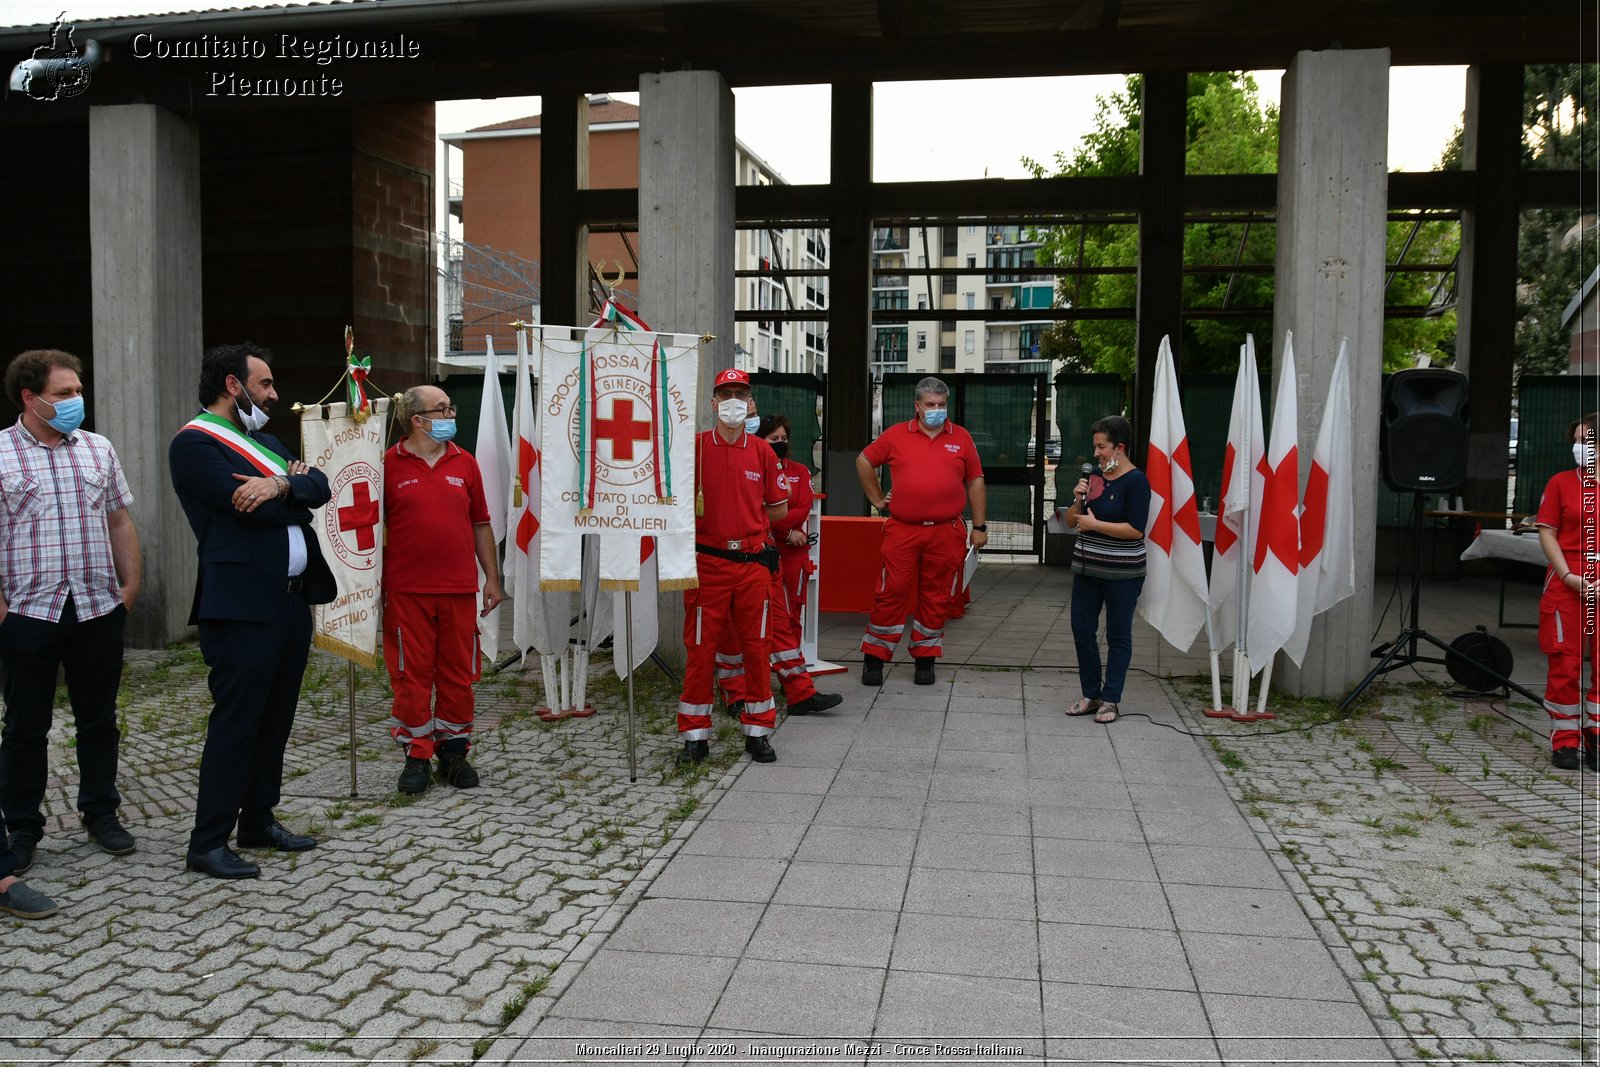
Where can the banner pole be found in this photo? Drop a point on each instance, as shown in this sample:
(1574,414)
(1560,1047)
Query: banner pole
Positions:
(350,696)
(627,627)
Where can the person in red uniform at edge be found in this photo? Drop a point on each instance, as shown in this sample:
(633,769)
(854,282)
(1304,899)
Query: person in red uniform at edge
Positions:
(436,527)
(788,593)
(1567,521)
(936,475)
(737,496)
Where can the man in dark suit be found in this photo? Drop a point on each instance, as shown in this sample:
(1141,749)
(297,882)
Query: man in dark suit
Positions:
(250,503)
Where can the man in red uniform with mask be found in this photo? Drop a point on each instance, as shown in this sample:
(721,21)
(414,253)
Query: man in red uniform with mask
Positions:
(937,474)
(737,497)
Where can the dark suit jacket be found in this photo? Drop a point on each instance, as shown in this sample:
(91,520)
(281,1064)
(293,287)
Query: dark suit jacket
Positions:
(244,557)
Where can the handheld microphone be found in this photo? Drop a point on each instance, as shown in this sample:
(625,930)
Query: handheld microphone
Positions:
(1086,470)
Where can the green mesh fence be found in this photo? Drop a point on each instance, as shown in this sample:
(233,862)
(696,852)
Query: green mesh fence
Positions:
(466,393)
(1207,407)
(1547,405)
(796,397)
(1081,399)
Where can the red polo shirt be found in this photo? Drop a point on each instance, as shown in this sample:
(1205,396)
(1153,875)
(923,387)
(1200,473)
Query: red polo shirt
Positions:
(796,480)
(930,474)
(1562,508)
(739,481)
(428,516)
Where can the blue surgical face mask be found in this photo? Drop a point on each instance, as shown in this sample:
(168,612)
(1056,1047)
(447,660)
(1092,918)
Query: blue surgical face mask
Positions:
(752,424)
(935,417)
(441,430)
(68,417)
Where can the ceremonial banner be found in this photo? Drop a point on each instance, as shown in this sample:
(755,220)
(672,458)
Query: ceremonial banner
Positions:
(493,454)
(1240,515)
(617,418)
(349,528)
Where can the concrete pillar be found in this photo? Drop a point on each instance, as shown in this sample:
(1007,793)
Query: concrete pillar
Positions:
(144,222)
(1332,208)
(848,407)
(686,235)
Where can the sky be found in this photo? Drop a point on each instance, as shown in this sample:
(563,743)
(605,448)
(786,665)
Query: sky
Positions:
(941,130)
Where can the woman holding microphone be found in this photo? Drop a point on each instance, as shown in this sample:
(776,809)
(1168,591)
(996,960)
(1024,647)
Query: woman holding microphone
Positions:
(1110,509)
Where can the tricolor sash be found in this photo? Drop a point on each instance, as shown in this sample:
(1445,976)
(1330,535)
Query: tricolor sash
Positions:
(263,459)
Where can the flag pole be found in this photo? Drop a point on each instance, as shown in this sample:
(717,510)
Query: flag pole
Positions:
(627,630)
(350,699)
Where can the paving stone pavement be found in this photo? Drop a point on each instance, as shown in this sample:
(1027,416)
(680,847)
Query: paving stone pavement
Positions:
(417,929)
(1412,885)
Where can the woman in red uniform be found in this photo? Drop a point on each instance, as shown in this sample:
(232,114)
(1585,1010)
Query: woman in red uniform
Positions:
(1567,522)
(788,596)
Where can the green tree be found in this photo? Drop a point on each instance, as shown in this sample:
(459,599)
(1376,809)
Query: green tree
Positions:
(1229,131)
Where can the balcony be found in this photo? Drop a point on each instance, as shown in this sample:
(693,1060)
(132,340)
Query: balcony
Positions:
(894,237)
(889,281)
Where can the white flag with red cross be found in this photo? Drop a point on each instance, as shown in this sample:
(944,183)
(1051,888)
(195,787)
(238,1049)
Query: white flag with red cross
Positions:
(493,454)
(349,527)
(1240,513)
(1275,566)
(1327,514)
(1174,596)
(539,620)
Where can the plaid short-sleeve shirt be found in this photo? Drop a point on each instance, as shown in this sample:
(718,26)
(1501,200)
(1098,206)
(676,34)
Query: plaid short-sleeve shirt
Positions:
(54,539)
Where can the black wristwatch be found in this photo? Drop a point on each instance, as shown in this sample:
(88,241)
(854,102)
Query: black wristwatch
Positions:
(981,527)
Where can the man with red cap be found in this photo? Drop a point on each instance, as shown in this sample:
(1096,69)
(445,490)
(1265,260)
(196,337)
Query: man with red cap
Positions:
(936,475)
(737,497)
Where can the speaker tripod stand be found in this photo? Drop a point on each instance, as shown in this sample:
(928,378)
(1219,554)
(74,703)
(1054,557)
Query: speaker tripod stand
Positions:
(1403,651)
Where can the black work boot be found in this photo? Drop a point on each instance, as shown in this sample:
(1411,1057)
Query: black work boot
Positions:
(924,674)
(455,770)
(760,749)
(735,708)
(414,778)
(694,752)
(815,702)
(872,671)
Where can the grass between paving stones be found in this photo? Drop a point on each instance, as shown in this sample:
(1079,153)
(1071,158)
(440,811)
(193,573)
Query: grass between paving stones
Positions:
(162,710)
(1422,890)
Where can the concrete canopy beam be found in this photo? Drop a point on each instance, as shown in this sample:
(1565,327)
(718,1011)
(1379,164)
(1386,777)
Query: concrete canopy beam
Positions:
(1332,208)
(144,221)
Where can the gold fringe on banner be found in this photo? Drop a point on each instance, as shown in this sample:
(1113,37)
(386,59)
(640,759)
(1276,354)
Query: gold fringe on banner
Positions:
(618,585)
(560,585)
(348,651)
(668,585)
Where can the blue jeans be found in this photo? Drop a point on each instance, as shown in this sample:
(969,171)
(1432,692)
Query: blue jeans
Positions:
(1119,596)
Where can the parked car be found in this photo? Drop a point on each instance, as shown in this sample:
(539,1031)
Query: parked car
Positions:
(1052,449)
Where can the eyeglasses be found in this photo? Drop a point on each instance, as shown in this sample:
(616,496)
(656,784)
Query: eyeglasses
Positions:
(448,409)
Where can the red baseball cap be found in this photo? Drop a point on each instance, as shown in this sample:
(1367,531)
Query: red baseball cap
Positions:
(731,376)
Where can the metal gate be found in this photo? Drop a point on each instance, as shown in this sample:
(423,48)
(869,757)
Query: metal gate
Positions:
(1007,416)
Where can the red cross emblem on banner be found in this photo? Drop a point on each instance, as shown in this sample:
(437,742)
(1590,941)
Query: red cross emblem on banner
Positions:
(622,430)
(352,516)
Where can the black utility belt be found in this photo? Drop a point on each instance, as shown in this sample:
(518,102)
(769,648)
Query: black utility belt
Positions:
(767,557)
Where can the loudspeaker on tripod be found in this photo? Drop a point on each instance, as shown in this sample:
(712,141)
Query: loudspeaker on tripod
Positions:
(1424,439)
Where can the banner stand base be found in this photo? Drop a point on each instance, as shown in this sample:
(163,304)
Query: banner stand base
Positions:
(1219,713)
(822,666)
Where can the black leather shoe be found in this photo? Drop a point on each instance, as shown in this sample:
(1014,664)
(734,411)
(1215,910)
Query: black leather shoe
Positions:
(924,673)
(694,752)
(872,671)
(455,770)
(23,845)
(109,834)
(275,836)
(735,708)
(816,702)
(414,778)
(760,749)
(221,862)
(1565,759)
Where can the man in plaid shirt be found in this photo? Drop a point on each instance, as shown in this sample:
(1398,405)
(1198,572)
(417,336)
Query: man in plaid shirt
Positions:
(69,572)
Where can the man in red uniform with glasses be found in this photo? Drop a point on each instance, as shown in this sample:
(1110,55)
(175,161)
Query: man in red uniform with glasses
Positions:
(737,497)
(937,474)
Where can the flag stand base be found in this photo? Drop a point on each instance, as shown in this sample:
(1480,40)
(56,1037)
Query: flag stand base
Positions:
(1219,713)
(822,666)
(551,714)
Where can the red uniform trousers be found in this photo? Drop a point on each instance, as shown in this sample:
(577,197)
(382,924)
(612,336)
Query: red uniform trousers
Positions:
(788,601)
(430,644)
(921,564)
(732,600)
(1562,639)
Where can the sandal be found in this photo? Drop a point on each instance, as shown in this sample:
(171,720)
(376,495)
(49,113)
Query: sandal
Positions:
(1085,706)
(1109,713)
